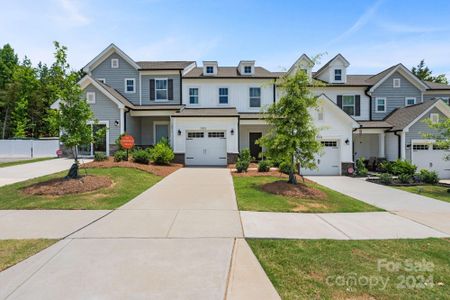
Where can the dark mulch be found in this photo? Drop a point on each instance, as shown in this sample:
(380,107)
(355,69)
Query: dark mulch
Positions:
(157,170)
(61,186)
(300,190)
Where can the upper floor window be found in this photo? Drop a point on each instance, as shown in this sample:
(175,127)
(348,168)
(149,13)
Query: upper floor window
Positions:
(161,89)
(102,80)
(130,85)
(193,96)
(380,105)
(255,97)
(396,82)
(434,118)
(247,69)
(410,101)
(114,63)
(90,97)
(223,95)
(338,75)
(209,69)
(348,104)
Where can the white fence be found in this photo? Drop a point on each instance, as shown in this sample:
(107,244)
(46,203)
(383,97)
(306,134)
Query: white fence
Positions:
(29,148)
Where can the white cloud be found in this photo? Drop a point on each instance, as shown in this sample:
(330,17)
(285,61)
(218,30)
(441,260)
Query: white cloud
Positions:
(71,14)
(408,28)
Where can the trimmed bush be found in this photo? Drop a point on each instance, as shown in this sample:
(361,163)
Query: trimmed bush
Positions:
(405,178)
(141,156)
(243,161)
(100,156)
(402,167)
(264,166)
(120,155)
(430,177)
(161,153)
(386,178)
(361,169)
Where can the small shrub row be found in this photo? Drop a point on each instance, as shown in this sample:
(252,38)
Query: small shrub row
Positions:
(397,167)
(100,156)
(243,161)
(160,154)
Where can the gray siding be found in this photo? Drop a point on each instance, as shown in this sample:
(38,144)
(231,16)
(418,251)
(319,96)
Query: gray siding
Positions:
(147,129)
(417,130)
(395,97)
(145,79)
(105,110)
(116,77)
(431,96)
(134,128)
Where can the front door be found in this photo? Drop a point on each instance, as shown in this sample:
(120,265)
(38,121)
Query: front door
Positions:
(161,131)
(255,149)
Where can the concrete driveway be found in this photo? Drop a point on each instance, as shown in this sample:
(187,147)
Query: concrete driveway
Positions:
(13,174)
(430,212)
(181,239)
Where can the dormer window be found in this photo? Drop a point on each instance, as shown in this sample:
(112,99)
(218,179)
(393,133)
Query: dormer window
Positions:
(209,70)
(396,82)
(338,75)
(114,63)
(248,70)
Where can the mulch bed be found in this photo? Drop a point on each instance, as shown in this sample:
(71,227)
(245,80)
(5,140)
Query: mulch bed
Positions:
(290,190)
(61,186)
(162,171)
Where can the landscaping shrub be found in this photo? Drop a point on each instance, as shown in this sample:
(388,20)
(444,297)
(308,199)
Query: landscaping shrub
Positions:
(402,167)
(386,178)
(285,167)
(120,155)
(430,177)
(161,153)
(405,178)
(264,166)
(361,169)
(141,156)
(243,161)
(385,167)
(100,156)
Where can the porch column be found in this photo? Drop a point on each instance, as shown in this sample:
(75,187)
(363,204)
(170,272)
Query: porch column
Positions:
(122,120)
(381,144)
(402,145)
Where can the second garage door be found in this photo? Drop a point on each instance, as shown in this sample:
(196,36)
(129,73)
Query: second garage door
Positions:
(430,157)
(206,148)
(329,162)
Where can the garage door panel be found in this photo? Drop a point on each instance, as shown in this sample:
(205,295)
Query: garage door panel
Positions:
(427,157)
(328,162)
(206,148)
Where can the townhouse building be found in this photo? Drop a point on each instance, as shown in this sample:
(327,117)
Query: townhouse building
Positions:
(209,113)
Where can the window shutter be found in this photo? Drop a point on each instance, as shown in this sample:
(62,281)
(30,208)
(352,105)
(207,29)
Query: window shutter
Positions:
(357,105)
(152,89)
(170,88)
(339,101)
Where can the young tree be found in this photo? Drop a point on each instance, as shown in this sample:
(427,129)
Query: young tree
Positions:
(441,134)
(424,73)
(8,63)
(292,137)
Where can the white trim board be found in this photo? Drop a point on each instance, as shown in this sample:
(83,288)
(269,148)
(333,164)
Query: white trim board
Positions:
(106,53)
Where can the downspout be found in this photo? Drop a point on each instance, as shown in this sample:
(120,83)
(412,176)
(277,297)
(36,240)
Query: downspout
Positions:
(399,144)
(370,103)
(274,91)
(125,119)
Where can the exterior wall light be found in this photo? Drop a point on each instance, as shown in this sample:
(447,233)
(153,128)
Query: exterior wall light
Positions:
(347,142)
(179,132)
(232,131)
(116,123)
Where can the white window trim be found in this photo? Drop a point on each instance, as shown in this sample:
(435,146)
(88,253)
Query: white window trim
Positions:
(209,73)
(160,123)
(102,122)
(408,98)
(260,97)
(396,80)
(432,115)
(189,95)
(354,103)
(167,90)
(93,97)
(247,73)
(134,85)
(228,95)
(103,80)
(334,75)
(376,104)
(114,63)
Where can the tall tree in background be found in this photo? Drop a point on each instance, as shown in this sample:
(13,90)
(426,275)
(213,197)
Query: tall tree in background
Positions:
(8,63)
(424,73)
(292,137)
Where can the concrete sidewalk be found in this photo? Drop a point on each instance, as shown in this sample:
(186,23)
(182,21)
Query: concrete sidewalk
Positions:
(13,174)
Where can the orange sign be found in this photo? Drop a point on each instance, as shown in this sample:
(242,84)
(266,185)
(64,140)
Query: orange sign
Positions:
(127,141)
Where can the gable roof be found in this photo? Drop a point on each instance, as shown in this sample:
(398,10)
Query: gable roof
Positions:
(400,118)
(379,78)
(325,66)
(303,57)
(164,65)
(229,72)
(86,80)
(107,52)
(437,86)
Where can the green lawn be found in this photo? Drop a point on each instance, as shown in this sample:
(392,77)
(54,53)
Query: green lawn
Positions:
(22,162)
(250,197)
(324,269)
(127,184)
(432,191)
(14,251)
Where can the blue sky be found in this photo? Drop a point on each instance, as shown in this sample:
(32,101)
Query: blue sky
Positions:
(372,35)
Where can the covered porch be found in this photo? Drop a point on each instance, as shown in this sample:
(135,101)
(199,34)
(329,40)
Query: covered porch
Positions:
(251,128)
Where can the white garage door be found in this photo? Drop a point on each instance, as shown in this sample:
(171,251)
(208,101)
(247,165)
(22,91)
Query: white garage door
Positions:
(426,156)
(329,163)
(206,148)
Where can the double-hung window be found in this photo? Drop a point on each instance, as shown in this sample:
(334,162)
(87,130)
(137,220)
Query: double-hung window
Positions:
(247,69)
(193,95)
(380,105)
(223,95)
(255,97)
(338,75)
(348,104)
(130,84)
(209,69)
(161,89)
(410,101)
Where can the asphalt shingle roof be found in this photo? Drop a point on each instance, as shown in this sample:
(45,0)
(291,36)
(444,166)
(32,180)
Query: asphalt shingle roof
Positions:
(402,117)
(230,72)
(164,65)
(207,112)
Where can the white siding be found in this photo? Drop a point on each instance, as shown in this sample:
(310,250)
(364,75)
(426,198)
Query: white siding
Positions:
(244,134)
(238,92)
(391,146)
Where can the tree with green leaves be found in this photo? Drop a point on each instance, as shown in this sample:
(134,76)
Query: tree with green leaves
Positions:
(424,73)
(292,136)
(441,134)
(8,63)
